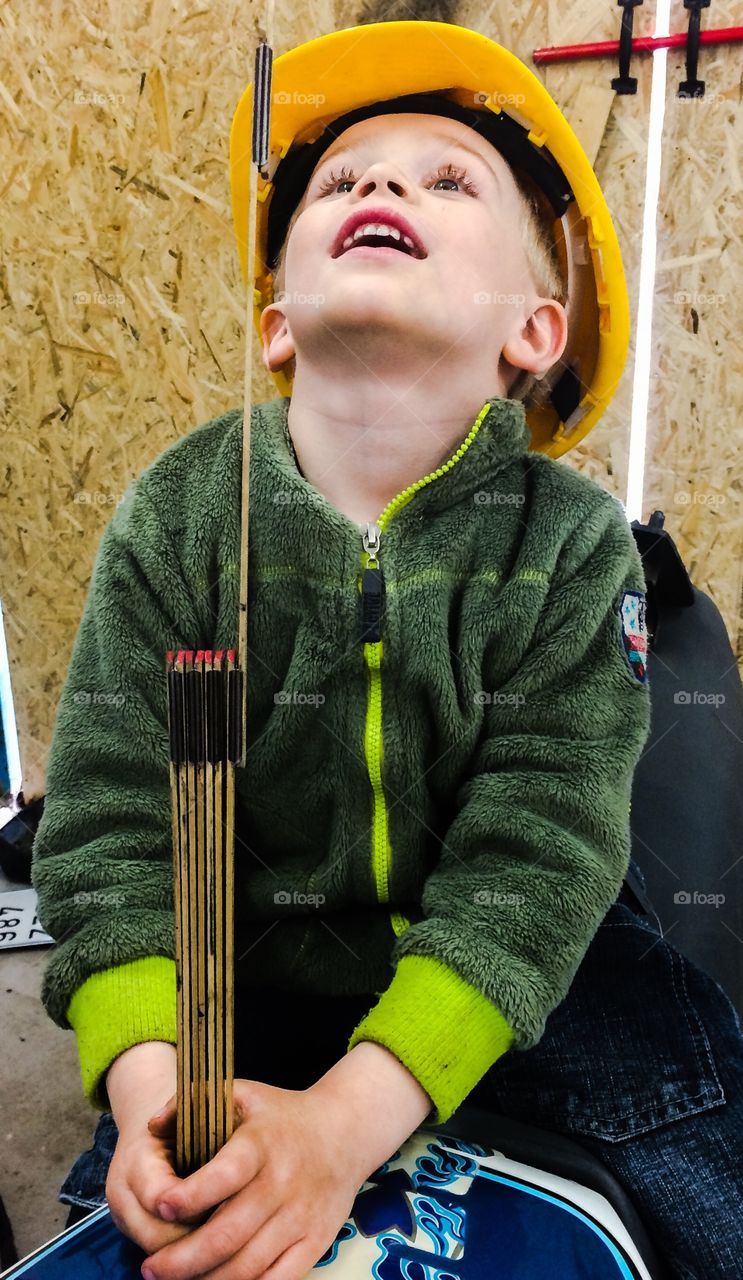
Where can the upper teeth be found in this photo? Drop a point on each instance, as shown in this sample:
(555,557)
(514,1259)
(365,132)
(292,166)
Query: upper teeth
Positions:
(376,229)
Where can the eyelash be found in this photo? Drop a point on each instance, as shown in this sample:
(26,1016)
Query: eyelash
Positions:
(446,171)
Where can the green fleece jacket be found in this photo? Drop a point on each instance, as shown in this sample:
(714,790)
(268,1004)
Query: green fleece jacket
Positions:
(445,710)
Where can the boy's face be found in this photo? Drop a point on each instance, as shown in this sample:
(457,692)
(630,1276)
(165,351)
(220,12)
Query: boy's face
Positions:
(472,287)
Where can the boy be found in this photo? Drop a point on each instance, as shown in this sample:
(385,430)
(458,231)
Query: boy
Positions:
(435,804)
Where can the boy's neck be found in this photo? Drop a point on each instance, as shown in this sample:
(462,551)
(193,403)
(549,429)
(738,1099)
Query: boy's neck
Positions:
(360,446)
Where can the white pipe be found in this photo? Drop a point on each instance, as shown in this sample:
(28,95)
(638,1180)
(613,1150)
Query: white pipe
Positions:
(643,337)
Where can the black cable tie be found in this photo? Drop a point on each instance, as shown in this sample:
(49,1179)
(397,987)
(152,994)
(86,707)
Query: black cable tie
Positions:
(624,82)
(691,87)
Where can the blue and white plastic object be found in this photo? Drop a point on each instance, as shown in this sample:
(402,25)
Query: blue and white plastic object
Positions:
(439,1209)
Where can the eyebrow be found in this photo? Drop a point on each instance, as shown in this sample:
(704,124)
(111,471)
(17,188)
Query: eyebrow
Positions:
(438,136)
(447,137)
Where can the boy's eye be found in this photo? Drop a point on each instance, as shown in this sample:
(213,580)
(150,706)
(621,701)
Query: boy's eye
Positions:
(446,173)
(334,180)
(451,173)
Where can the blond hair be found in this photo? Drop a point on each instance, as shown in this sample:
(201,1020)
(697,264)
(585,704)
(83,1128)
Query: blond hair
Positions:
(537,230)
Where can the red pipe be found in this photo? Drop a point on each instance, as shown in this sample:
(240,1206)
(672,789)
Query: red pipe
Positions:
(640,44)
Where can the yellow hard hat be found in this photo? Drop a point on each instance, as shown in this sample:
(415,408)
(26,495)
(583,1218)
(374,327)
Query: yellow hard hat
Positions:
(385,66)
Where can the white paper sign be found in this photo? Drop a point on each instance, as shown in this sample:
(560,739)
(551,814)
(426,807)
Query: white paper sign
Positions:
(19,923)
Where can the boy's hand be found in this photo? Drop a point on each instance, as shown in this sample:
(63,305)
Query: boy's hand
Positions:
(284,1184)
(140,1173)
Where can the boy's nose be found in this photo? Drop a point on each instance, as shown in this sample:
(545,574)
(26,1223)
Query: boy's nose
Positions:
(383,173)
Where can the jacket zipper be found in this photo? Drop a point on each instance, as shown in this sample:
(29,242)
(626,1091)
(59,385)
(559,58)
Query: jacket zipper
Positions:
(371,587)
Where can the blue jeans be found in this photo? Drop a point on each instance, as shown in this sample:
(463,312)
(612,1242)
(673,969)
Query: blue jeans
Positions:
(642,1063)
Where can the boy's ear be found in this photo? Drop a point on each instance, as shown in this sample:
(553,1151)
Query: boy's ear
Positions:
(540,341)
(278,345)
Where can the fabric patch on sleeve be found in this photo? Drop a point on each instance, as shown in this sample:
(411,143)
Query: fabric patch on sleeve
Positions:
(634,633)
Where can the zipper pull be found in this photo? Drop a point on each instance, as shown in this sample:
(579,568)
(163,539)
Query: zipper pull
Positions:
(372,587)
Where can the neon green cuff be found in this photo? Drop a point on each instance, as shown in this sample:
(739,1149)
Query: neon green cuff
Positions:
(445,1031)
(117,1008)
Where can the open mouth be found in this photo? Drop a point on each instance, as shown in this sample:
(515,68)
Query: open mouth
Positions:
(376,251)
(378,229)
(390,239)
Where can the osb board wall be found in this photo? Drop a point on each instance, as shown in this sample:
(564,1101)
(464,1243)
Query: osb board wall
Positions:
(695,412)
(614,131)
(123,306)
(692,462)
